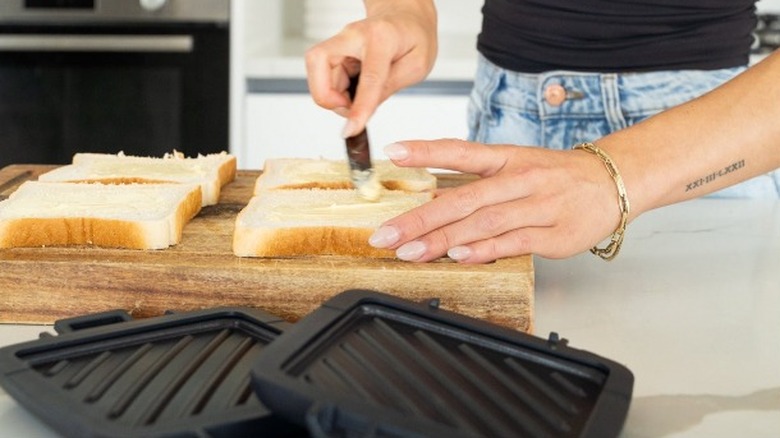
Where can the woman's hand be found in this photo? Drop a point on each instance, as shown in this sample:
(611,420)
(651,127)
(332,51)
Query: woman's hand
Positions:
(394,47)
(528,201)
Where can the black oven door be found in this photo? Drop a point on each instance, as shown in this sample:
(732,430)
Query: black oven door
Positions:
(144,89)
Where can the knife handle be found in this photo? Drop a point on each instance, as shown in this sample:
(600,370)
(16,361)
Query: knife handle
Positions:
(352,88)
(357,145)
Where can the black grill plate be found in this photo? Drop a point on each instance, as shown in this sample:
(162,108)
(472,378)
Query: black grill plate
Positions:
(106,375)
(367,364)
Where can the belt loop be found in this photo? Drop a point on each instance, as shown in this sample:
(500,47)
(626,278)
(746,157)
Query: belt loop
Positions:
(610,95)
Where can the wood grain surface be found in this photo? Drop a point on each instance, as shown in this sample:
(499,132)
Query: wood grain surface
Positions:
(41,285)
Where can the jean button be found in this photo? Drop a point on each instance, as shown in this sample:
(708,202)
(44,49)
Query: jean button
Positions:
(555,94)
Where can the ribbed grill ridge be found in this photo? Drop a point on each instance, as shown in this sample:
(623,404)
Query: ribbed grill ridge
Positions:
(477,385)
(169,376)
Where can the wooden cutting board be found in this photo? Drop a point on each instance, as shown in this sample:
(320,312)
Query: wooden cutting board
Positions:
(41,285)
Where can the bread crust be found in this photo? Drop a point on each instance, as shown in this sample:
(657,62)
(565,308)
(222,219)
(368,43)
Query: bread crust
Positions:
(211,189)
(275,177)
(306,241)
(337,185)
(34,232)
(119,180)
(109,233)
(227,171)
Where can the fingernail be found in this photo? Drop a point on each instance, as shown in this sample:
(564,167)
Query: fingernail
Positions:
(384,237)
(396,151)
(350,129)
(459,253)
(411,251)
(342,111)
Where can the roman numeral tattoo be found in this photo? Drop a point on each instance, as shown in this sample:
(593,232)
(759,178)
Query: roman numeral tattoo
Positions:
(715,175)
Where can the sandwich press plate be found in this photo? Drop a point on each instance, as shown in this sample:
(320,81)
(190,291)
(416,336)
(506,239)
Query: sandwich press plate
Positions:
(366,364)
(182,375)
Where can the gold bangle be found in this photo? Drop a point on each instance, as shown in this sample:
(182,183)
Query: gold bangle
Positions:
(611,250)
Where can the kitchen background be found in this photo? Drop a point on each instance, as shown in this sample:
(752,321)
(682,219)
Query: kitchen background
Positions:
(257,108)
(279,118)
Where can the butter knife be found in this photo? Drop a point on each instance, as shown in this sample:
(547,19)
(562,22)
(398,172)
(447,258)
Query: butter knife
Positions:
(361,171)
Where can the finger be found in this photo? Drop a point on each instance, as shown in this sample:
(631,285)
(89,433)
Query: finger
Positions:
(548,242)
(326,69)
(485,224)
(451,154)
(513,243)
(372,87)
(447,208)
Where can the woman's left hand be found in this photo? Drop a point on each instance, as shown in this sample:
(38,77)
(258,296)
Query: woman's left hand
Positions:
(528,200)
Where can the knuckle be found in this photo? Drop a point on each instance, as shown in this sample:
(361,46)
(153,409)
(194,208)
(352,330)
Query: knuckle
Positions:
(460,149)
(519,243)
(376,30)
(412,225)
(313,55)
(491,221)
(441,241)
(467,200)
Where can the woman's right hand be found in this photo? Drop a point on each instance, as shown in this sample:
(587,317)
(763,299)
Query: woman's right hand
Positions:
(393,47)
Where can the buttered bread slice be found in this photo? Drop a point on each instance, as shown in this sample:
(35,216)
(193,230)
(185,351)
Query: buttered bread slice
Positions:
(210,171)
(279,223)
(136,216)
(307,173)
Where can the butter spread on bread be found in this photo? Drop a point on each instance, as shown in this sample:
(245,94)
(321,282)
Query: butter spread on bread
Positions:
(136,216)
(308,173)
(280,223)
(210,171)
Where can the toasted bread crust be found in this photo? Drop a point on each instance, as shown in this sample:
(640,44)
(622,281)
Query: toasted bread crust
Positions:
(32,232)
(187,210)
(109,233)
(279,174)
(306,241)
(227,171)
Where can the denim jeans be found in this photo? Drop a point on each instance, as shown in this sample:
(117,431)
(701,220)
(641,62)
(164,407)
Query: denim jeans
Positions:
(559,109)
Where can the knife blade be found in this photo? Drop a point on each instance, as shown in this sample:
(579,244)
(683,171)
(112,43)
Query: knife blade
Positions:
(361,171)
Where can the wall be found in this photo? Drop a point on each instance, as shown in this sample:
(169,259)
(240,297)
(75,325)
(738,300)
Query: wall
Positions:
(768,6)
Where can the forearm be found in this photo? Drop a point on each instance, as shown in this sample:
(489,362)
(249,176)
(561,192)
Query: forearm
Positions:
(719,139)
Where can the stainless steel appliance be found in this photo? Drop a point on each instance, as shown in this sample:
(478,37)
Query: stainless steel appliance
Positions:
(140,76)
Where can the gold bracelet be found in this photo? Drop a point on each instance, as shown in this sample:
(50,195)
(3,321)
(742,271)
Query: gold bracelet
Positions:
(611,250)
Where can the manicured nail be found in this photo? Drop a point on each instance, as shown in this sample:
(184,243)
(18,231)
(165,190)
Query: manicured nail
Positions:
(411,251)
(350,129)
(396,151)
(384,237)
(459,253)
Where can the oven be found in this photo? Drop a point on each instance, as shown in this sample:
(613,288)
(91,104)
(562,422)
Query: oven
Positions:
(140,76)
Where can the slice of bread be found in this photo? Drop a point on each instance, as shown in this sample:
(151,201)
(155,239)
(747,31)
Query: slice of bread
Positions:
(281,223)
(211,171)
(305,173)
(136,216)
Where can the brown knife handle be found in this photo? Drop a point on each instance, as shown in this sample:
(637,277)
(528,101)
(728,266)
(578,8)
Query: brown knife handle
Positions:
(352,88)
(357,145)
(358,151)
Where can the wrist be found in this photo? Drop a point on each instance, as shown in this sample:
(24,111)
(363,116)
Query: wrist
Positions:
(611,250)
(424,8)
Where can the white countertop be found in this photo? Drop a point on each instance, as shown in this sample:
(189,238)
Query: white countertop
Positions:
(691,306)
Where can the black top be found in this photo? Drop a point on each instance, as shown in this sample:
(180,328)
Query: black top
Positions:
(617,35)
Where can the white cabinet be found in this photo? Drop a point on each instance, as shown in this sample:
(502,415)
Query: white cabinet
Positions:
(292,125)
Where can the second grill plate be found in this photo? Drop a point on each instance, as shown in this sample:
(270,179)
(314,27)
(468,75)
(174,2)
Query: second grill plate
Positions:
(367,364)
